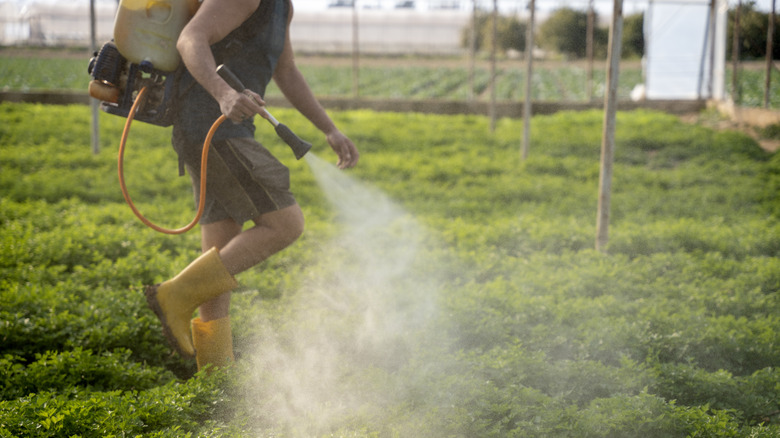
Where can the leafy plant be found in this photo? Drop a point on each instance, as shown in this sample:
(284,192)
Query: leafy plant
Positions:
(449,288)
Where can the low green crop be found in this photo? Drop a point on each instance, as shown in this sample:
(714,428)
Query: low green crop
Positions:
(451,289)
(405,79)
(170,410)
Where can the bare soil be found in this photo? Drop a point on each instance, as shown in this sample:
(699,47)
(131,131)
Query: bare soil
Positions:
(714,120)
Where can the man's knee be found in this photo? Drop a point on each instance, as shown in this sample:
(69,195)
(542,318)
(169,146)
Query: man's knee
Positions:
(294,227)
(287,223)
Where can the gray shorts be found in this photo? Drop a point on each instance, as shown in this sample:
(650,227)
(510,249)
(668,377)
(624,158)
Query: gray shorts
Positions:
(243,181)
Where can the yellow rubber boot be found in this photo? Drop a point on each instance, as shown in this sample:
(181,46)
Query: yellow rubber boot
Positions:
(175,300)
(213,342)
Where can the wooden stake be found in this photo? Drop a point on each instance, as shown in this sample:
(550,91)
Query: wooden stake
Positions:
(355,52)
(529,58)
(589,48)
(608,137)
(769,49)
(493,50)
(472,48)
(93,103)
(736,93)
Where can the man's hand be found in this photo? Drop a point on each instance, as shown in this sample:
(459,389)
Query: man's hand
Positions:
(344,148)
(240,106)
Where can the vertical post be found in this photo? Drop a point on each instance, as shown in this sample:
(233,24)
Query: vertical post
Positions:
(770,36)
(529,57)
(493,51)
(705,89)
(608,137)
(719,63)
(472,48)
(711,36)
(355,52)
(647,28)
(735,92)
(93,103)
(589,48)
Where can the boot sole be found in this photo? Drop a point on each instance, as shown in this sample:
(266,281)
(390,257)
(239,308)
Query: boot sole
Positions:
(151,300)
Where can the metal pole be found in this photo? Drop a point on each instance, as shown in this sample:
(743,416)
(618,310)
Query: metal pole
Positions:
(529,57)
(355,53)
(719,63)
(608,137)
(647,28)
(493,50)
(472,48)
(712,31)
(709,42)
(769,49)
(735,92)
(589,48)
(92,101)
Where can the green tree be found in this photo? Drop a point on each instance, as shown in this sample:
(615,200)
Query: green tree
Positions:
(565,32)
(511,32)
(753,26)
(633,36)
(480,21)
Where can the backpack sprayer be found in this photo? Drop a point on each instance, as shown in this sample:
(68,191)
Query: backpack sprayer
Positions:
(134,76)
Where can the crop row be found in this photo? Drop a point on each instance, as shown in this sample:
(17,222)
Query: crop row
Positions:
(403,81)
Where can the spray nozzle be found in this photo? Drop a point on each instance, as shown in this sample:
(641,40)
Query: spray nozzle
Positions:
(298,145)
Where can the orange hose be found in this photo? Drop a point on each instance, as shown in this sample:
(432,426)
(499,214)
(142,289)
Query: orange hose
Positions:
(203,163)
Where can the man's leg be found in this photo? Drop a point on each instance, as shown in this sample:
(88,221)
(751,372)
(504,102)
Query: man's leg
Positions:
(211,332)
(241,250)
(217,235)
(209,279)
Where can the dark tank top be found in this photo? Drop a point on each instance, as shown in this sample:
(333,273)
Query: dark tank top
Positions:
(251,52)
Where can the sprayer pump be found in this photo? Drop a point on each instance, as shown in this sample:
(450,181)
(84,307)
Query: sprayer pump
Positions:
(116,82)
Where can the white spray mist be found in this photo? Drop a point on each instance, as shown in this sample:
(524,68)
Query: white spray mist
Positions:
(334,358)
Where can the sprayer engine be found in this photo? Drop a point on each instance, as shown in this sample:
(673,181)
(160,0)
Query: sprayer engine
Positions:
(116,82)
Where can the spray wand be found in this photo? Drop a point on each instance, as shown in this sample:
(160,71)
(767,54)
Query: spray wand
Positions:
(299,146)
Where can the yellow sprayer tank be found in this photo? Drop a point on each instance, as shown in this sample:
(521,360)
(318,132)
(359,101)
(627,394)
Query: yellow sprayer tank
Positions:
(147,30)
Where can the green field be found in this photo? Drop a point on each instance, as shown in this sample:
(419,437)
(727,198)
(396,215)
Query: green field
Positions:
(443,288)
(403,78)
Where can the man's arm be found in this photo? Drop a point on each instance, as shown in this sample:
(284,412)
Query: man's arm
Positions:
(213,21)
(293,85)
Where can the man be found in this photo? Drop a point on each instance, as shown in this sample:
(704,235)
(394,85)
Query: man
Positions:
(245,182)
